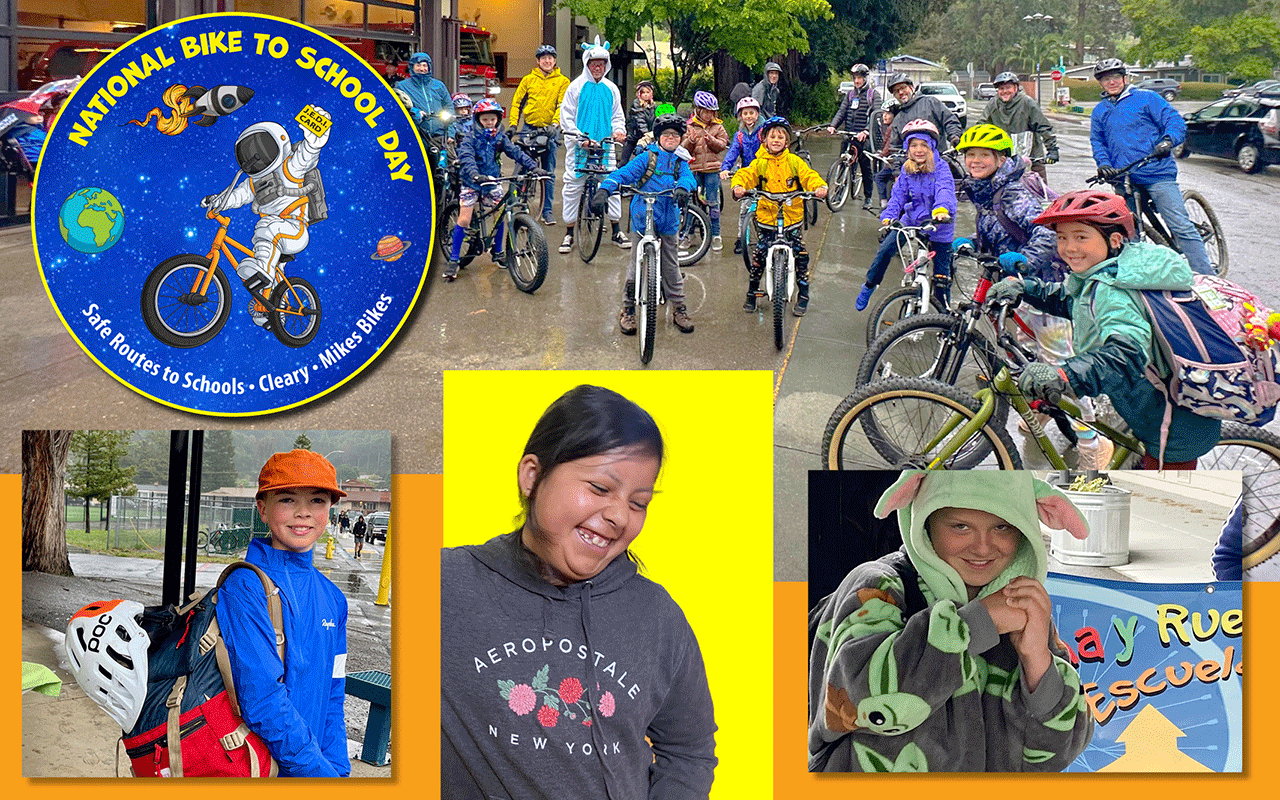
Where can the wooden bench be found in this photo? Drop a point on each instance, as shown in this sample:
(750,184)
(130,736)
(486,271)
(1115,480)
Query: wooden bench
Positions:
(375,686)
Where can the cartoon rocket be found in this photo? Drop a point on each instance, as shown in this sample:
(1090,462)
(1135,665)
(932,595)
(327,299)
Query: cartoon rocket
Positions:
(209,104)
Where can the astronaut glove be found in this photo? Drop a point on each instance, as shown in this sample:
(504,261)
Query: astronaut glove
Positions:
(318,141)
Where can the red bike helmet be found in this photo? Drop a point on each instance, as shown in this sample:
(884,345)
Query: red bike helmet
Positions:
(487,106)
(1103,209)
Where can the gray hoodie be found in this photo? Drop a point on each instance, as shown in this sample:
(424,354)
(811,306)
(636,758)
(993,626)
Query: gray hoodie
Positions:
(551,692)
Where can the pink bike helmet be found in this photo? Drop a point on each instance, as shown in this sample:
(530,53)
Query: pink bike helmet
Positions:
(920,126)
(107,650)
(747,102)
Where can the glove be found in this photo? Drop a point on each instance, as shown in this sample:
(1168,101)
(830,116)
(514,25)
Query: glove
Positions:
(962,246)
(599,199)
(1012,263)
(680,194)
(1043,382)
(940,214)
(954,140)
(318,141)
(208,201)
(539,172)
(1162,148)
(1051,158)
(1108,174)
(1008,291)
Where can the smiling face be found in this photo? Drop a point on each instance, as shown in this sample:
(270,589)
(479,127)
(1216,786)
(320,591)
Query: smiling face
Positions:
(1112,83)
(978,545)
(775,141)
(902,92)
(669,140)
(547,63)
(585,513)
(422,68)
(918,150)
(597,67)
(295,517)
(749,116)
(982,163)
(1083,246)
(1006,91)
(773,75)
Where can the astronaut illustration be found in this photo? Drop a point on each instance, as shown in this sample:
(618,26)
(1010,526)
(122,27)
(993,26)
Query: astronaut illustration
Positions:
(283,183)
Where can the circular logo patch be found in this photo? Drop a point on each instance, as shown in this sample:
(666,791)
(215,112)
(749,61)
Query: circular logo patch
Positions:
(233,214)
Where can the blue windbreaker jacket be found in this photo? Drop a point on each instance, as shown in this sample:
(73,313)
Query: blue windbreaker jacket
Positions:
(671,170)
(295,707)
(742,145)
(1123,130)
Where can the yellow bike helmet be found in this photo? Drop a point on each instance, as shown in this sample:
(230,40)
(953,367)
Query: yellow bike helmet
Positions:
(986,135)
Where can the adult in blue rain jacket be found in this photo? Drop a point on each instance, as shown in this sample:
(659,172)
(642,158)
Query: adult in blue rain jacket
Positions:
(429,95)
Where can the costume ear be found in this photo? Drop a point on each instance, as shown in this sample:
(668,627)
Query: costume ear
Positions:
(1057,511)
(606,44)
(900,494)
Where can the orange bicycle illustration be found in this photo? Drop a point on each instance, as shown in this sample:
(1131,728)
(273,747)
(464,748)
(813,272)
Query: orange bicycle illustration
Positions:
(186,300)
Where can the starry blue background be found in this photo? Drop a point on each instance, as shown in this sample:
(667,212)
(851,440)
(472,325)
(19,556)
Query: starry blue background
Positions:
(160,180)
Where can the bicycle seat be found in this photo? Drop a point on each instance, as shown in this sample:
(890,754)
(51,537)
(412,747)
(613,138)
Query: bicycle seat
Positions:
(285,258)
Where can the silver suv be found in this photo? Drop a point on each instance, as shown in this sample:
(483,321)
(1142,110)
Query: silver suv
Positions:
(950,97)
(378,522)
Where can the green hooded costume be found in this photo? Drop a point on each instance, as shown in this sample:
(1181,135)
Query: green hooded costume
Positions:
(916,679)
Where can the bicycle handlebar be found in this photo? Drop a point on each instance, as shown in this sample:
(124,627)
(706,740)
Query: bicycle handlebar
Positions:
(777,197)
(629,191)
(1142,162)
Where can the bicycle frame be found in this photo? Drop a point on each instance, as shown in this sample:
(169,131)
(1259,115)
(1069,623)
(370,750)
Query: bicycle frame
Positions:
(648,241)
(220,248)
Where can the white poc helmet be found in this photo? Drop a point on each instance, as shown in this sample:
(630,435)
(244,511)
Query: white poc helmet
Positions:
(108,654)
(261,148)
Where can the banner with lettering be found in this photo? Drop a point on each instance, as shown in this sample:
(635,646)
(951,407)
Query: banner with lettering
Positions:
(1162,669)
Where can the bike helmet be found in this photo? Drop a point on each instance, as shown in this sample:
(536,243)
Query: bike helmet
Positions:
(669,122)
(107,650)
(775,122)
(920,126)
(544,50)
(1007,77)
(461,100)
(1104,209)
(487,106)
(646,84)
(860,69)
(771,67)
(706,100)
(897,78)
(261,148)
(986,135)
(1109,65)
(747,102)
(891,105)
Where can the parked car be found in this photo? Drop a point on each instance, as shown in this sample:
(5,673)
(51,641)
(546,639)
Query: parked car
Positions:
(1167,88)
(950,97)
(1270,125)
(378,522)
(986,91)
(845,88)
(1253,88)
(1232,128)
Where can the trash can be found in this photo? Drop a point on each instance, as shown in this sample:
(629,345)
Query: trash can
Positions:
(1107,545)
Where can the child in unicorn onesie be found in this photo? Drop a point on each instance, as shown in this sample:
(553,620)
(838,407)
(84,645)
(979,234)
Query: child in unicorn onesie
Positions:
(942,657)
(592,108)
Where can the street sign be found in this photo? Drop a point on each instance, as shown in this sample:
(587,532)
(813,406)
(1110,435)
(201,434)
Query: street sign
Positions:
(1056,74)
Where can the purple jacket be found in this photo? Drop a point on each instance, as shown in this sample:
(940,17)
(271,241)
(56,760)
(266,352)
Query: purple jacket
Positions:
(916,196)
(1020,208)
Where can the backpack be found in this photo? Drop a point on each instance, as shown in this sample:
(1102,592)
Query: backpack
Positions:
(651,167)
(190,725)
(1203,335)
(1038,189)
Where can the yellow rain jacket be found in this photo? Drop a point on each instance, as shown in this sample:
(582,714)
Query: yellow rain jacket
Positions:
(541,95)
(785,172)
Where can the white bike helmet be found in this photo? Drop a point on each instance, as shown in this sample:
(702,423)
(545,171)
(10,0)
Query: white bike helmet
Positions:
(107,650)
(261,148)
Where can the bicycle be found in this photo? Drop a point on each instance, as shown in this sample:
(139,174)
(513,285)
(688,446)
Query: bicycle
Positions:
(525,247)
(1148,225)
(591,158)
(695,229)
(223,541)
(925,423)
(915,295)
(187,299)
(844,178)
(779,279)
(810,204)
(536,143)
(647,273)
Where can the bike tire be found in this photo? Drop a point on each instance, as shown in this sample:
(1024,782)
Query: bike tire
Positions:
(295,312)
(883,411)
(1255,452)
(172,312)
(648,303)
(900,304)
(780,298)
(1207,225)
(202,541)
(694,235)
(837,185)
(810,212)
(928,346)
(855,180)
(447,220)
(747,227)
(590,227)
(526,253)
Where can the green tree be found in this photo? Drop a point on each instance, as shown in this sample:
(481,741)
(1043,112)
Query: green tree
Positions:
(95,470)
(302,442)
(348,472)
(44,513)
(219,460)
(1244,46)
(148,455)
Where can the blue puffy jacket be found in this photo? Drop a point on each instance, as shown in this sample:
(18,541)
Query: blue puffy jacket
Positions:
(1020,208)
(742,145)
(428,94)
(295,707)
(478,155)
(670,171)
(1124,129)
(916,196)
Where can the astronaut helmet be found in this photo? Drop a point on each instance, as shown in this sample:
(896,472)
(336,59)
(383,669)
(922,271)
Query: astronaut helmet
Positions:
(261,148)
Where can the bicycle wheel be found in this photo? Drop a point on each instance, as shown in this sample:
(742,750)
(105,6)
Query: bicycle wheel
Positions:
(447,220)
(837,185)
(526,253)
(648,306)
(1255,452)
(295,312)
(178,316)
(202,541)
(855,180)
(965,271)
(935,346)
(1201,215)
(810,212)
(779,295)
(746,224)
(897,420)
(694,236)
(590,227)
(900,304)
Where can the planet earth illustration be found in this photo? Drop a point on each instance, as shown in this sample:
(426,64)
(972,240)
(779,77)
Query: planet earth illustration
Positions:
(91,220)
